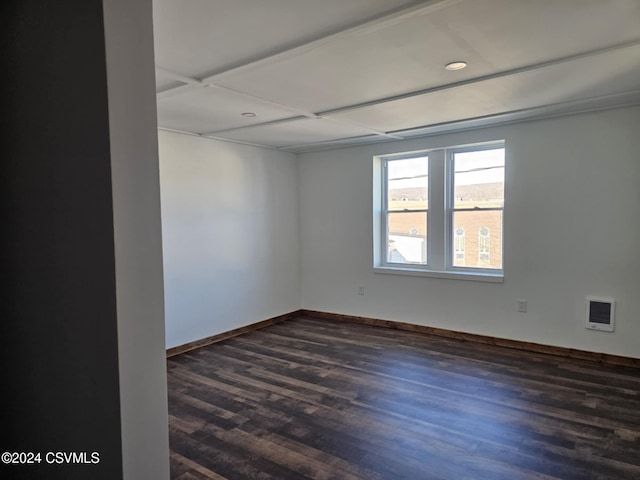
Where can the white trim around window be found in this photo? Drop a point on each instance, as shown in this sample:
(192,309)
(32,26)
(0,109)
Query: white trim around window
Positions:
(420,200)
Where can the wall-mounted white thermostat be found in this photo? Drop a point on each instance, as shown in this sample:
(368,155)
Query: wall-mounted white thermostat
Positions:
(600,313)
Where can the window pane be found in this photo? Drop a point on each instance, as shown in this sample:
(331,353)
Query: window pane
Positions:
(479,179)
(408,181)
(407,238)
(477,239)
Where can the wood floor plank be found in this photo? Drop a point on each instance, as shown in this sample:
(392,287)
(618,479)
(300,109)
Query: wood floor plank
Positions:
(325,400)
(196,471)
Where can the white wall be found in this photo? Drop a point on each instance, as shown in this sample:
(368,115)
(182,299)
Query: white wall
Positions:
(230,226)
(138,242)
(572,229)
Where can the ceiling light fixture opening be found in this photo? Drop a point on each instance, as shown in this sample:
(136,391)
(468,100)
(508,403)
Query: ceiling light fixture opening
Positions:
(248,114)
(458,65)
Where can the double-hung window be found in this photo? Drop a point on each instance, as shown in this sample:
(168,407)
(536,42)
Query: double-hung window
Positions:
(406,209)
(440,212)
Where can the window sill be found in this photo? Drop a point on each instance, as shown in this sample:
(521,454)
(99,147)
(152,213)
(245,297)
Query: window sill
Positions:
(470,276)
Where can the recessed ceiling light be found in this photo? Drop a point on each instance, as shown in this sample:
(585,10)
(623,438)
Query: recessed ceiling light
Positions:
(455,66)
(248,114)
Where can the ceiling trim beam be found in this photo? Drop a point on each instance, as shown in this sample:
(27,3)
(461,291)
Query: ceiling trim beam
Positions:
(471,81)
(363,127)
(192,82)
(163,72)
(262,124)
(401,14)
(266,100)
(572,107)
(327,114)
(173,91)
(562,109)
(240,142)
(293,119)
(359,139)
(188,83)
(191,134)
(175,130)
(386,19)
(604,102)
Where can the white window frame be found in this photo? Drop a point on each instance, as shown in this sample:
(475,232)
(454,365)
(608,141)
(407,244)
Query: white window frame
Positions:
(450,210)
(384,211)
(440,234)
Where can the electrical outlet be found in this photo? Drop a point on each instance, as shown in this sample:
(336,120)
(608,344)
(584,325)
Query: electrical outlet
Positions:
(522,306)
(360,289)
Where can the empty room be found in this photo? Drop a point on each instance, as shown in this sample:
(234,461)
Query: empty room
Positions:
(400,238)
(320,239)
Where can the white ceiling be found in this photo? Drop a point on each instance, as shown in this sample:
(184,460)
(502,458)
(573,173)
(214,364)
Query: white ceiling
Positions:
(323,73)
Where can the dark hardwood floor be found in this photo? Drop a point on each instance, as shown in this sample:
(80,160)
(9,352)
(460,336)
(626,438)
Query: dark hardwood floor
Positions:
(318,399)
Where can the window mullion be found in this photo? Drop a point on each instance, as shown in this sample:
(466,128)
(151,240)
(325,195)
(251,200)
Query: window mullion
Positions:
(385,210)
(436,219)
